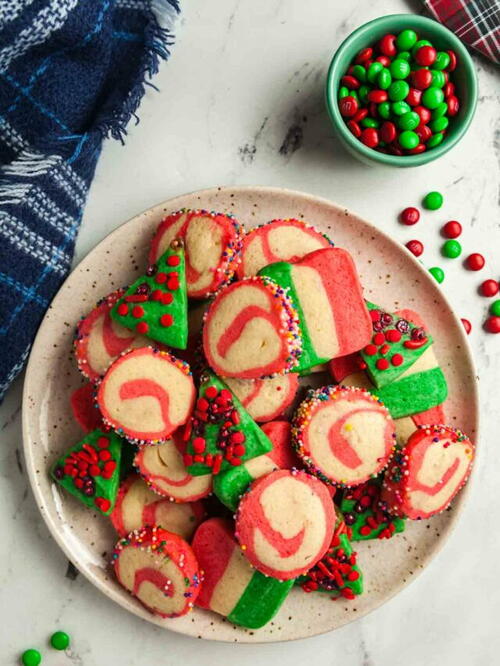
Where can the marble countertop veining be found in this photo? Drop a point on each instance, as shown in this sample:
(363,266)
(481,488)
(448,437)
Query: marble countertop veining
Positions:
(241,102)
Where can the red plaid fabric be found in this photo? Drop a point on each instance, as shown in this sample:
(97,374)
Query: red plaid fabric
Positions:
(475,22)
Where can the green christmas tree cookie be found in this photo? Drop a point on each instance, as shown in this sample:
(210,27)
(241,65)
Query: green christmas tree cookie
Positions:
(366,515)
(156,304)
(337,572)
(395,346)
(221,433)
(91,470)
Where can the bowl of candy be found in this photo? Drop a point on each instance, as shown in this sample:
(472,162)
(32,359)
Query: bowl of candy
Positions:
(401,90)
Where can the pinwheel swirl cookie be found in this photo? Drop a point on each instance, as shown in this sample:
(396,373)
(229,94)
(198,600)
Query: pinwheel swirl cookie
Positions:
(251,330)
(160,569)
(265,399)
(99,340)
(278,240)
(213,245)
(285,523)
(343,435)
(146,394)
(137,506)
(426,475)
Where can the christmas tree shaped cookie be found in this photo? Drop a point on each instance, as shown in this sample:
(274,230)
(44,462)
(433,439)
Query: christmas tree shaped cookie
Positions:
(396,344)
(91,470)
(156,304)
(366,515)
(221,433)
(337,572)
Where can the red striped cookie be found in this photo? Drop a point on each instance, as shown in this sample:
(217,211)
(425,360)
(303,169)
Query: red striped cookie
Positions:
(84,409)
(137,506)
(212,244)
(278,240)
(425,476)
(265,399)
(251,331)
(285,523)
(343,435)
(163,468)
(146,394)
(231,587)
(99,340)
(160,569)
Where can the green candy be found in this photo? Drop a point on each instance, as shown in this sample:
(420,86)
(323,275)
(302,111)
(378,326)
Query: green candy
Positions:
(435,140)
(343,92)
(409,121)
(442,60)
(359,72)
(432,200)
(59,640)
(384,110)
(31,658)
(354,93)
(399,69)
(432,97)
(495,308)
(400,108)
(404,55)
(398,90)
(363,92)
(406,40)
(451,249)
(373,71)
(384,79)
(438,79)
(417,45)
(440,110)
(439,124)
(370,122)
(437,273)
(408,140)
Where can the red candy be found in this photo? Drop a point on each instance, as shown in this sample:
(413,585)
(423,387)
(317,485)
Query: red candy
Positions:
(452,229)
(423,113)
(426,56)
(354,128)
(397,359)
(369,136)
(382,364)
(142,327)
(489,288)
(424,133)
(420,148)
(348,106)
(379,338)
(364,55)
(122,309)
(475,261)
(410,216)
(137,311)
(453,105)
(413,97)
(449,89)
(453,61)
(378,96)
(387,45)
(350,82)
(421,78)
(360,114)
(166,320)
(492,324)
(415,247)
(388,132)
(384,60)
(467,325)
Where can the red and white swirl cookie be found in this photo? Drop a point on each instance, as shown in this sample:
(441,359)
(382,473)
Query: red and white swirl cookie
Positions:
(285,523)
(163,468)
(343,435)
(251,330)
(160,569)
(265,399)
(212,242)
(137,506)
(99,340)
(146,394)
(425,476)
(278,240)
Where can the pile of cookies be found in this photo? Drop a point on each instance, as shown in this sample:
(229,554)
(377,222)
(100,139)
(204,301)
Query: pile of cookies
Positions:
(199,383)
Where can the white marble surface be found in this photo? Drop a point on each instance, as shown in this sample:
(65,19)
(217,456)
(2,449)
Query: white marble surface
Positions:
(241,103)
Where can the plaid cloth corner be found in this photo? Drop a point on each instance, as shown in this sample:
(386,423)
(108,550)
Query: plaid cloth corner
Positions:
(475,22)
(71,73)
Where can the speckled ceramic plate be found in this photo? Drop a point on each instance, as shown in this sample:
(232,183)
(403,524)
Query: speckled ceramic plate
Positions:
(390,275)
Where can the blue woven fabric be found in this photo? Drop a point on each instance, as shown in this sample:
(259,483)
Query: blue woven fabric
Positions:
(71,73)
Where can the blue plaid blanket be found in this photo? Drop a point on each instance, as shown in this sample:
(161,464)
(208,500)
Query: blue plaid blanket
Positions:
(71,73)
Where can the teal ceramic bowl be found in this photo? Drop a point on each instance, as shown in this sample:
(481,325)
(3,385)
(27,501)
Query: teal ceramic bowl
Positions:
(464,78)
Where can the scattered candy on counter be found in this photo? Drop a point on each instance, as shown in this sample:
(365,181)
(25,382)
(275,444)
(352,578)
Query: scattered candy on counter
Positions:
(415,247)
(397,96)
(410,215)
(475,262)
(451,249)
(467,325)
(495,308)
(437,273)
(452,229)
(433,201)
(60,640)
(492,325)
(31,657)
(489,288)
